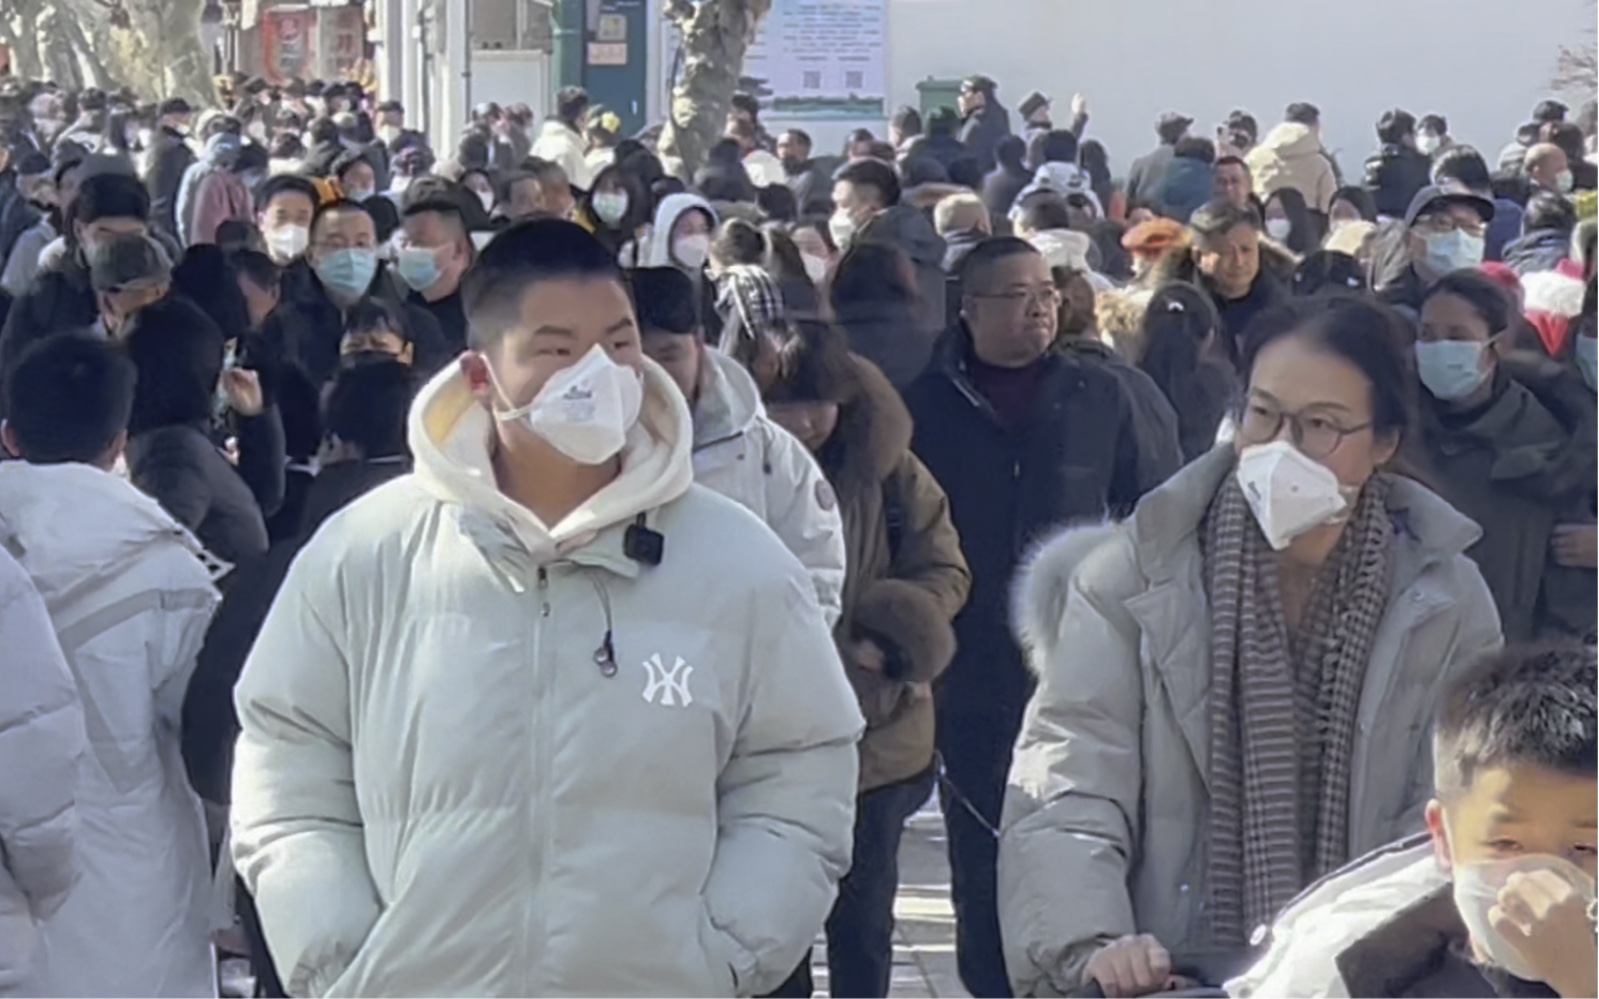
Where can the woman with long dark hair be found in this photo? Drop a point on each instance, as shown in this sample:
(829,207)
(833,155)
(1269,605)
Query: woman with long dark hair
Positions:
(1182,354)
(1292,587)
(1289,221)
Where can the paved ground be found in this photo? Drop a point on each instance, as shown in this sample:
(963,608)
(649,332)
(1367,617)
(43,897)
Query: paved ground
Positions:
(924,951)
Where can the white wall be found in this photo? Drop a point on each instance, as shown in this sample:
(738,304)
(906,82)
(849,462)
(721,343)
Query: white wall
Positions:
(1482,64)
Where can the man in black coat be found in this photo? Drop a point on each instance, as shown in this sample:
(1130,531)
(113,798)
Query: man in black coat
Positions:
(1023,440)
(1395,172)
(986,121)
(170,158)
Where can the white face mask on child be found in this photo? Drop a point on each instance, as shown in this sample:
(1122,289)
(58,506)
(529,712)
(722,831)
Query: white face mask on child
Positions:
(1476,890)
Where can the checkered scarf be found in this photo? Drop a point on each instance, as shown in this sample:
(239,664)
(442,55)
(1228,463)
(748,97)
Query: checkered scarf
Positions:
(1284,707)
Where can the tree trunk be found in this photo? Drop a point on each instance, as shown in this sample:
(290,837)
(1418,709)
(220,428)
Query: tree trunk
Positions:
(715,35)
(78,40)
(179,65)
(61,62)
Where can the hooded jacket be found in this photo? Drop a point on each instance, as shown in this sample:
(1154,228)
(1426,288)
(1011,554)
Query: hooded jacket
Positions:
(221,151)
(907,578)
(60,301)
(129,598)
(1291,155)
(42,723)
(1386,925)
(560,143)
(656,245)
(1394,174)
(601,830)
(1519,464)
(1105,817)
(1537,251)
(741,454)
(908,229)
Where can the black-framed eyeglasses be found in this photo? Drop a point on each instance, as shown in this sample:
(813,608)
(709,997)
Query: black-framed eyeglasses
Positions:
(1316,435)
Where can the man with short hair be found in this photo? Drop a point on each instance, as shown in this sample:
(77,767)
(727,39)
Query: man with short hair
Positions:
(432,255)
(129,594)
(1397,170)
(656,706)
(745,106)
(543,189)
(984,120)
(285,206)
(764,168)
(1147,176)
(1432,135)
(738,451)
(1233,183)
(168,159)
(998,421)
(866,197)
(804,176)
(1547,168)
(1546,229)
(1292,155)
(1462,168)
(1227,249)
(1445,231)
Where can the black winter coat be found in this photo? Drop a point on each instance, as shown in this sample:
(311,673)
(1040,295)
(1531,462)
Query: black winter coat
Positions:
(1537,251)
(307,326)
(1081,459)
(61,301)
(982,132)
(1394,174)
(170,158)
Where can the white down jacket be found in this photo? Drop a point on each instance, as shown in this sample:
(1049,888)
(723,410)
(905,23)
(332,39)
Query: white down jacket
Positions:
(740,453)
(41,742)
(130,598)
(482,756)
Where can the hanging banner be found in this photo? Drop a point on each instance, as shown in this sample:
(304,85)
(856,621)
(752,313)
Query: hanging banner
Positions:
(288,46)
(342,42)
(814,59)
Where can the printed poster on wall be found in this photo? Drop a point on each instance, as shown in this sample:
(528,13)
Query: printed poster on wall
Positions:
(818,59)
(288,45)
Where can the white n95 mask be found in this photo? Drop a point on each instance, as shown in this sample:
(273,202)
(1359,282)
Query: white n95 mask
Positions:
(1476,891)
(585,411)
(1288,492)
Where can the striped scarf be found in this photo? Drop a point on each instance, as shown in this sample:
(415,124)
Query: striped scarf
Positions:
(1283,708)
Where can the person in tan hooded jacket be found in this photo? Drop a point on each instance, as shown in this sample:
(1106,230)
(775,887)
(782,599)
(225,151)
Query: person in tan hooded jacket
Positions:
(1291,155)
(905,580)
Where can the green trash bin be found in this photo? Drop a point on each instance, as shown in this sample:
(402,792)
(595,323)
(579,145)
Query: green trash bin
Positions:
(938,93)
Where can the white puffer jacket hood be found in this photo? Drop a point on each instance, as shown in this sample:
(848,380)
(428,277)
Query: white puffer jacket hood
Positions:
(658,243)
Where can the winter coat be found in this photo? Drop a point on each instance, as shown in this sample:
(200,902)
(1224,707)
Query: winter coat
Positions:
(221,151)
(16,215)
(1393,175)
(813,189)
(222,197)
(1188,184)
(1104,830)
(129,598)
(210,723)
(42,721)
(908,229)
(559,143)
(656,245)
(1146,179)
(169,159)
(1001,188)
(1537,251)
(1504,229)
(1291,155)
(1552,301)
(1518,465)
(887,334)
(1154,418)
(1237,313)
(307,326)
(22,266)
(906,580)
(741,454)
(1008,487)
(181,467)
(61,301)
(956,246)
(982,131)
(1386,925)
(388,854)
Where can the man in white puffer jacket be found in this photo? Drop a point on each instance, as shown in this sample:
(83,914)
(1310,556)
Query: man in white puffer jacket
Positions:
(738,450)
(543,717)
(129,595)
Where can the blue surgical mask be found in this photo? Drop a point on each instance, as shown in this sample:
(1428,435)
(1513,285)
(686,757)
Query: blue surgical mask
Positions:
(1587,354)
(418,267)
(358,194)
(1451,369)
(348,273)
(1453,251)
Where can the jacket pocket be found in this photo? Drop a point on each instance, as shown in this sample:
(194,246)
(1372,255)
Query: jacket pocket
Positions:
(729,966)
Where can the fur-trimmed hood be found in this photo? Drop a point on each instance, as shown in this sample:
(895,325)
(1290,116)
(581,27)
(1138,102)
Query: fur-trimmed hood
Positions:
(874,432)
(1038,592)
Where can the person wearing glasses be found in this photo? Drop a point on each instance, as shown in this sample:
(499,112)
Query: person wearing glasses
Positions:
(1235,684)
(1445,230)
(1022,438)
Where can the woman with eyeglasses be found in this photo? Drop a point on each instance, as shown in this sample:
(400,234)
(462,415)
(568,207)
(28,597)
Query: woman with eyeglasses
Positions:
(1235,684)
(1509,438)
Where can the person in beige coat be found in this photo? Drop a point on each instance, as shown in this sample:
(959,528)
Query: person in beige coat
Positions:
(1291,155)
(1234,686)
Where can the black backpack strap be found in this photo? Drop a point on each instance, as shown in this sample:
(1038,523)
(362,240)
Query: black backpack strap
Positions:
(894,516)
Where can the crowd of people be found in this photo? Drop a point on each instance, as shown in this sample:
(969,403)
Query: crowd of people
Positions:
(525,572)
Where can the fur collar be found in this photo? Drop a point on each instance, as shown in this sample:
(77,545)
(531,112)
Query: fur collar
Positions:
(874,431)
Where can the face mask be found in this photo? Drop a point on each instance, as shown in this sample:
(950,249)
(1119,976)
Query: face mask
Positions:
(418,267)
(487,198)
(347,274)
(692,251)
(1278,229)
(609,206)
(1428,144)
(1587,354)
(815,267)
(1564,182)
(1453,251)
(585,411)
(287,242)
(842,228)
(1451,369)
(358,194)
(1288,492)
(1476,892)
